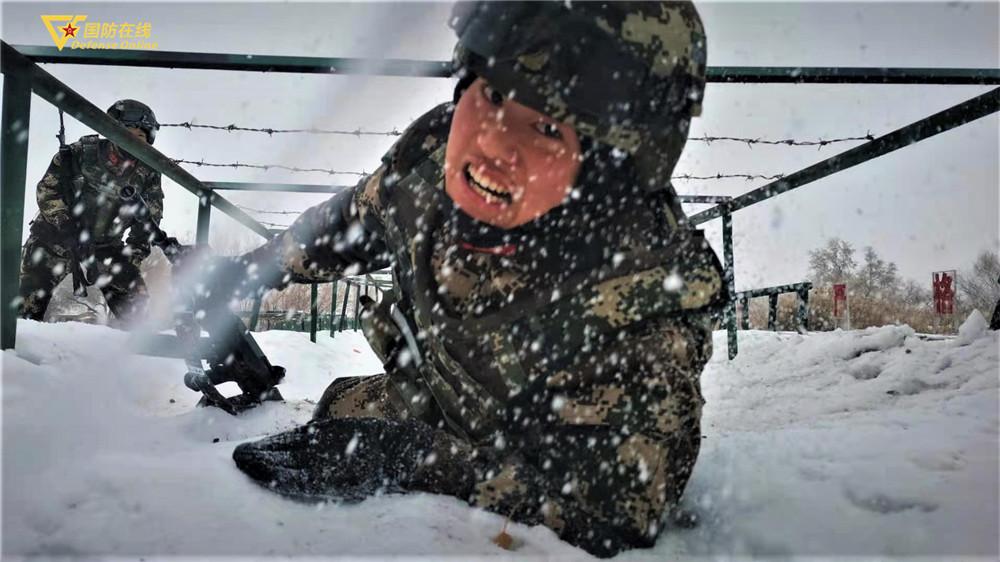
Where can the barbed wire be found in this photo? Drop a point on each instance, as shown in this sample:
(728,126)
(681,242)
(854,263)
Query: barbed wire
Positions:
(748,177)
(274,225)
(268,167)
(271,131)
(820,143)
(265,212)
(395,132)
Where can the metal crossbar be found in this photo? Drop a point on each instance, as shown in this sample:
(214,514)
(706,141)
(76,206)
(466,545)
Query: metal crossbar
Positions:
(443,69)
(772,293)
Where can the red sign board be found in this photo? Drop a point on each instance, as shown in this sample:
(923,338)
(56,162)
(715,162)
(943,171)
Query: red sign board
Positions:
(839,299)
(943,283)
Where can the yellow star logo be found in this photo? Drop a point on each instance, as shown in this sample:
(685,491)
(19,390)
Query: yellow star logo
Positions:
(53,23)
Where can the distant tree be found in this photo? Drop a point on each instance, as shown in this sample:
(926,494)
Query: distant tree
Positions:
(833,263)
(913,294)
(876,278)
(978,287)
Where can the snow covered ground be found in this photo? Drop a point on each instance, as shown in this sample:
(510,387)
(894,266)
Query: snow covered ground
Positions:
(872,443)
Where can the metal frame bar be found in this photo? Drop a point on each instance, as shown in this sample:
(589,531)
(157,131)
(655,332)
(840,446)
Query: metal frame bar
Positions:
(204,220)
(313,310)
(732,343)
(804,309)
(239,62)
(852,75)
(442,69)
(772,312)
(343,309)
(255,312)
(745,307)
(334,289)
(284,187)
(703,198)
(776,290)
(357,309)
(14,127)
(772,293)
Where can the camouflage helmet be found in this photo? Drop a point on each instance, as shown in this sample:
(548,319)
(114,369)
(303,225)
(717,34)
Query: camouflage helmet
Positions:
(627,74)
(131,113)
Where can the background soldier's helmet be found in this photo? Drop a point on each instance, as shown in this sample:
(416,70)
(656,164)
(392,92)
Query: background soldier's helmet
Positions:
(627,74)
(131,113)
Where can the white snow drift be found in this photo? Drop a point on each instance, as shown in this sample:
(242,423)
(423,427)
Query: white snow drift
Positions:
(871,443)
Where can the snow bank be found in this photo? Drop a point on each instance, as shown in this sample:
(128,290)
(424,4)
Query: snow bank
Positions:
(973,327)
(871,443)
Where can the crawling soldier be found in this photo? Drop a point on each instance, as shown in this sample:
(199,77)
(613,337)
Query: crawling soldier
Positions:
(553,308)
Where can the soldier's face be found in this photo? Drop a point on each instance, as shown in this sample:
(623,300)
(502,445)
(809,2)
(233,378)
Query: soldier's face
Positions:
(138,133)
(507,164)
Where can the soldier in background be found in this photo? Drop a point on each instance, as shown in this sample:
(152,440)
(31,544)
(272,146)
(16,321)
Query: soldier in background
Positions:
(92,192)
(553,308)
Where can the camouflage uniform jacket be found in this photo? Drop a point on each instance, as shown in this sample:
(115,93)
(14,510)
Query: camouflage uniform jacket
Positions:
(108,187)
(594,339)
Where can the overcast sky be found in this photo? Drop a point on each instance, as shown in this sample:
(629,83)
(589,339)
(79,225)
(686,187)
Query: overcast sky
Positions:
(928,207)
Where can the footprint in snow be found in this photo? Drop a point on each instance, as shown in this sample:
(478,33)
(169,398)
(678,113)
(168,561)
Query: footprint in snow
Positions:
(881,503)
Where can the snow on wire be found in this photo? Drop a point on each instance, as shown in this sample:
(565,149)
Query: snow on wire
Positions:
(708,139)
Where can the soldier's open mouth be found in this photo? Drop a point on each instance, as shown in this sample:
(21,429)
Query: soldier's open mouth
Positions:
(488,189)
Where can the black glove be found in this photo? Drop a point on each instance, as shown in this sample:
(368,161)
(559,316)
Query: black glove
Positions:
(340,459)
(83,265)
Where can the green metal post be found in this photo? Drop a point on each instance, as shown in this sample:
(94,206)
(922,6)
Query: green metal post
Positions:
(772,312)
(204,218)
(804,309)
(313,310)
(343,309)
(255,314)
(727,253)
(14,156)
(334,289)
(357,308)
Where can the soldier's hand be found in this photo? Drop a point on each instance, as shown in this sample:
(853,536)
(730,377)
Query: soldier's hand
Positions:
(345,459)
(86,262)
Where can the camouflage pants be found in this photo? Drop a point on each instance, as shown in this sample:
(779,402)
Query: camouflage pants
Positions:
(597,486)
(45,263)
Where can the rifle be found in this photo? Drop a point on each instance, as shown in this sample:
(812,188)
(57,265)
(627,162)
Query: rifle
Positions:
(82,263)
(230,352)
